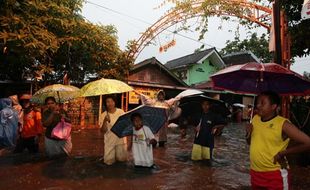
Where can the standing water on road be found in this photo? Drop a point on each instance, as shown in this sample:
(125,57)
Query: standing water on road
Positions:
(175,170)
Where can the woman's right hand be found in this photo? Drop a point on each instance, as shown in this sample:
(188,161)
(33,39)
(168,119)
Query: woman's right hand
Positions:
(107,119)
(104,128)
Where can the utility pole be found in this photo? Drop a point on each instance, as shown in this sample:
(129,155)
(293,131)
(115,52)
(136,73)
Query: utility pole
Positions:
(277,31)
(282,48)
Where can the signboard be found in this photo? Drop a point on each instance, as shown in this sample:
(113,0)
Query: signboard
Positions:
(150,92)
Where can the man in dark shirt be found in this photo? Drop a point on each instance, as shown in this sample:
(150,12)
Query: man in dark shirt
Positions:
(210,124)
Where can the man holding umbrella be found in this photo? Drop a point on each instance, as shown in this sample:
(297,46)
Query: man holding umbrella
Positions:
(210,124)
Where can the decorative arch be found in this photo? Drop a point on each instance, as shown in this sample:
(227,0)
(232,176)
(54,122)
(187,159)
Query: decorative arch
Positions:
(245,10)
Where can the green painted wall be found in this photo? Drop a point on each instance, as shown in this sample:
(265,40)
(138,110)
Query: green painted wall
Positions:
(200,72)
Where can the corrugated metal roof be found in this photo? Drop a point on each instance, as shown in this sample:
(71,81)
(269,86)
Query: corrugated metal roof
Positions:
(188,59)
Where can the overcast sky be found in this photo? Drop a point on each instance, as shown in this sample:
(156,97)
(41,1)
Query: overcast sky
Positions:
(133,17)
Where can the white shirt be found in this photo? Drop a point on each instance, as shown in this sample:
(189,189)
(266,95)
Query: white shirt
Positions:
(110,139)
(141,149)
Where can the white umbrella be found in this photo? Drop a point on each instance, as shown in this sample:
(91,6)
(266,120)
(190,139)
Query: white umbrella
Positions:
(188,92)
(239,105)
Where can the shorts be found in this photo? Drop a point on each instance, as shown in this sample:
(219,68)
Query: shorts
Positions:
(201,152)
(271,180)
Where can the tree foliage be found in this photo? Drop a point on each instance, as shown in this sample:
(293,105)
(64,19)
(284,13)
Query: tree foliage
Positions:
(48,38)
(257,45)
(298,28)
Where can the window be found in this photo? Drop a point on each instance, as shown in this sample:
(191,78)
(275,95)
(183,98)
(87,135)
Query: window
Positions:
(200,70)
(182,74)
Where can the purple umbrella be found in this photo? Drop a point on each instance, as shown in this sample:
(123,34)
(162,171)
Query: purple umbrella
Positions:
(254,78)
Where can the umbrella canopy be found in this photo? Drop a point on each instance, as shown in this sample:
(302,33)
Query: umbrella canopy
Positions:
(255,78)
(104,86)
(239,105)
(60,92)
(188,92)
(191,105)
(152,117)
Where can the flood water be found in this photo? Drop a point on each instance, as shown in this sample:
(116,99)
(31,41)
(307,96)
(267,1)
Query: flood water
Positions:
(175,170)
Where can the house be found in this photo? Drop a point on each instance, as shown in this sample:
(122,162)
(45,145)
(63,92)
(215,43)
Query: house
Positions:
(197,67)
(150,76)
(242,57)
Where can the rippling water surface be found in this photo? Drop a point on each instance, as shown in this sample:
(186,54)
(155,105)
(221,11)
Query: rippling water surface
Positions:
(175,170)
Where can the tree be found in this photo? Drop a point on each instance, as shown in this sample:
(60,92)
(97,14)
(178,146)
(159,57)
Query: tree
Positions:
(47,38)
(298,28)
(257,45)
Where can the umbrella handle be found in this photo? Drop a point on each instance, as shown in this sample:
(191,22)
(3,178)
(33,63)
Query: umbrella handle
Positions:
(252,111)
(58,97)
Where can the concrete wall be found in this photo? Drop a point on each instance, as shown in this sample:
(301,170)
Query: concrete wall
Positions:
(200,72)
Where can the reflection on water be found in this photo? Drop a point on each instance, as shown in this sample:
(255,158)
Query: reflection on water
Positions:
(175,170)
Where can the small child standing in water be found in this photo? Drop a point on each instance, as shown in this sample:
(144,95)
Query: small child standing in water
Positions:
(142,141)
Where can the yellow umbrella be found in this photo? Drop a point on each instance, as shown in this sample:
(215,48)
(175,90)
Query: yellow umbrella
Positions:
(60,92)
(104,86)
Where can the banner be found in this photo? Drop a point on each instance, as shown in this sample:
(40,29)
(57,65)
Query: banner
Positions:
(150,92)
(272,43)
(305,11)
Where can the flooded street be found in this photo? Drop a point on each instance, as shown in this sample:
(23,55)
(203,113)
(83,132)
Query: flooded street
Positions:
(175,169)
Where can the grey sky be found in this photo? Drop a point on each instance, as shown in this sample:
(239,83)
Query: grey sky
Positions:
(134,15)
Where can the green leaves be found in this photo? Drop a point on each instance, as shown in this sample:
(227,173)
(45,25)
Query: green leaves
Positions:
(47,38)
(257,45)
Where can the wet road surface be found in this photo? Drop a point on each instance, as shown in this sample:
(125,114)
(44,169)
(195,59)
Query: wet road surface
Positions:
(175,170)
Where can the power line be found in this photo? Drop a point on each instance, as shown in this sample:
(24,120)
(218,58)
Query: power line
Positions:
(145,22)
(117,12)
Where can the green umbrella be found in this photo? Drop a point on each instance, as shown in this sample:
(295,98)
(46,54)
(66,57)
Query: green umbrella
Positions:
(60,92)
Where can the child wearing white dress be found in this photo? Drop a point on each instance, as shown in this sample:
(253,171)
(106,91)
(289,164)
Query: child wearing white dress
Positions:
(142,141)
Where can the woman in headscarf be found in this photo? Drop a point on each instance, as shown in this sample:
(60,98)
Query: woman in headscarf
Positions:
(50,118)
(173,111)
(8,123)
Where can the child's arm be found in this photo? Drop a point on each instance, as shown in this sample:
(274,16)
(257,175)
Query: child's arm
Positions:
(248,129)
(295,134)
(129,143)
(149,134)
(153,142)
(217,129)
